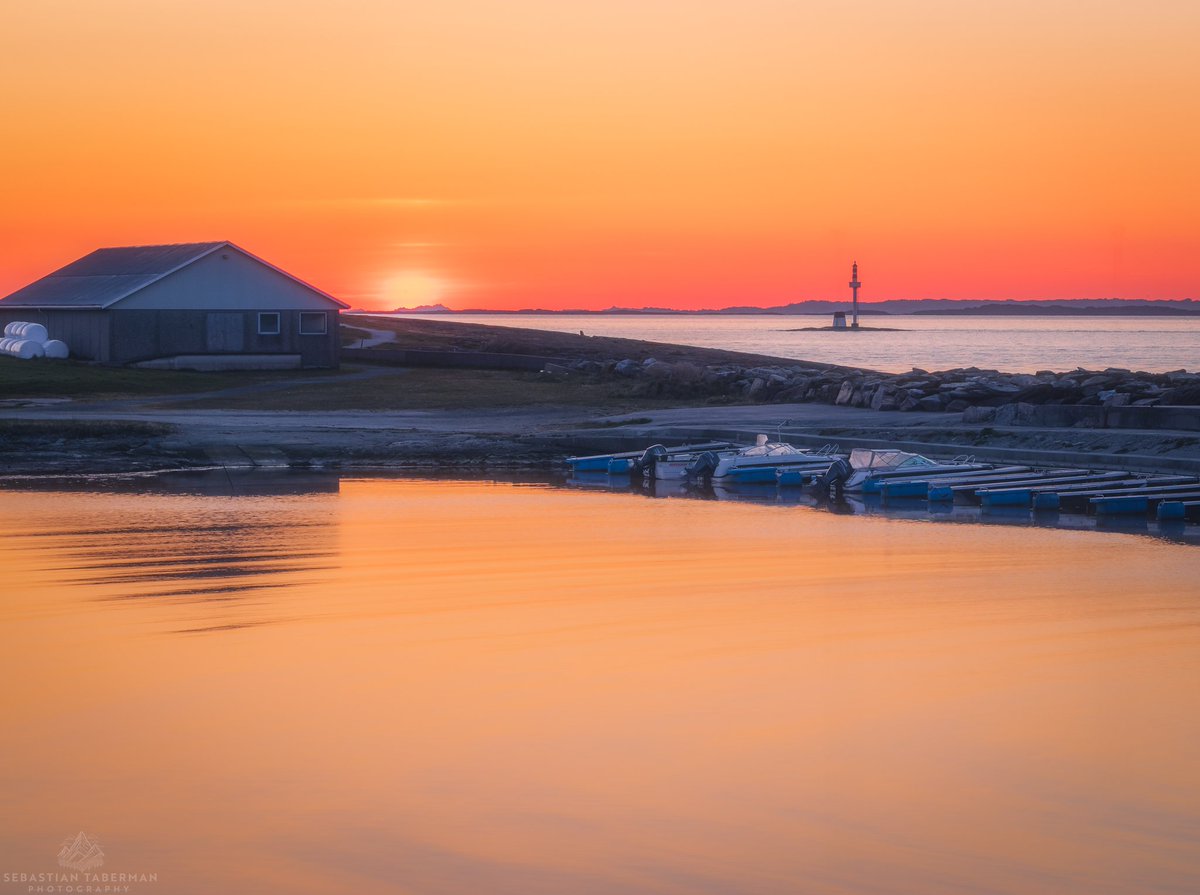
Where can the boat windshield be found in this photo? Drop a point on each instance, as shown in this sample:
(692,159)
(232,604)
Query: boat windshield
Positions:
(772,449)
(862,458)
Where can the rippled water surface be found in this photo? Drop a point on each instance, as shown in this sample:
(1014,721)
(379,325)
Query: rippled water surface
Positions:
(320,685)
(1013,344)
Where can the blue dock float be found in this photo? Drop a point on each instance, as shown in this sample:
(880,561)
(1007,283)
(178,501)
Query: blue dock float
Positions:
(905,489)
(1046,500)
(1010,497)
(1170,510)
(1126,505)
(590,464)
(940,494)
(619,465)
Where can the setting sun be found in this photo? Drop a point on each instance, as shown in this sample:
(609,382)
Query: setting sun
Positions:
(595,154)
(600,448)
(413,288)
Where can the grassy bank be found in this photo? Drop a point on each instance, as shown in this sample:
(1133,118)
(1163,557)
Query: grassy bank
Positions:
(454,335)
(387,388)
(392,388)
(44,378)
(353,387)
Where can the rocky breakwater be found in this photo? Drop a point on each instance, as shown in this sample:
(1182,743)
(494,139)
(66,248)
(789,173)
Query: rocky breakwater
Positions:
(981,395)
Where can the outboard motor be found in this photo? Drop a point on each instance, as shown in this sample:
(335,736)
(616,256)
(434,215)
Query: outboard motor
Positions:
(703,466)
(833,481)
(644,465)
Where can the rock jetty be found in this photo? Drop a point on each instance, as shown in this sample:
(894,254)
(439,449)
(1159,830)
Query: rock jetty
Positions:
(983,394)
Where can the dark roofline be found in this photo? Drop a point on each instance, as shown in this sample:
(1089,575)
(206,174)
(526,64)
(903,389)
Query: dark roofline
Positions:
(211,248)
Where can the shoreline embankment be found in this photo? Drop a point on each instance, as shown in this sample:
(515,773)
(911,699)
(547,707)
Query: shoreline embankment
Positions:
(1108,398)
(667,392)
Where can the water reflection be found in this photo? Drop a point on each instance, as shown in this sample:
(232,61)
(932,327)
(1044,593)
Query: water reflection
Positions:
(910,509)
(182,560)
(251,483)
(212,537)
(520,686)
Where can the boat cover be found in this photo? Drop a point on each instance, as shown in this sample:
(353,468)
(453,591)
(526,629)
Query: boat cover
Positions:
(864,458)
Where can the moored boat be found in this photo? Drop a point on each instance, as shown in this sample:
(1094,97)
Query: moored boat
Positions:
(604,462)
(760,462)
(865,463)
(675,466)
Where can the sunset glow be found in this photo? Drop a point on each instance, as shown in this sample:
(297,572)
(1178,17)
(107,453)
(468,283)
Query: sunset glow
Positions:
(558,155)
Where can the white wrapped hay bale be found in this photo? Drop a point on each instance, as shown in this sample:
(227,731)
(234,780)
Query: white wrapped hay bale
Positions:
(34,332)
(23,329)
(27,349)
(56,348)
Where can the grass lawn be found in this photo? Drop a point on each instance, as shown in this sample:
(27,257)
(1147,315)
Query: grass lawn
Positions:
(42,378)
(437,389)
(384,388)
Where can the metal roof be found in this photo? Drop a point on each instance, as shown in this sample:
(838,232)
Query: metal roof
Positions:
(107,276)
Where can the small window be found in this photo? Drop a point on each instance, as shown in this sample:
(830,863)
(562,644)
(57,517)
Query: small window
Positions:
(313,323)
(268,324)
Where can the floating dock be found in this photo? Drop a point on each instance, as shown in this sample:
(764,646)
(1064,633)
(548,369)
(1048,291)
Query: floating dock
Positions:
(991,487)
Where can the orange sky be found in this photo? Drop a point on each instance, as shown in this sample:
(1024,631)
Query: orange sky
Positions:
(583,154)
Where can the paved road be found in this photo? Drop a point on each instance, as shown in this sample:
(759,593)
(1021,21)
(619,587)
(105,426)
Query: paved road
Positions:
(504,420)
(377,337)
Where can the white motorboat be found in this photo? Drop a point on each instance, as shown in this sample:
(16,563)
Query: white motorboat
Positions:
(759,463)
(865,463)
(675,466)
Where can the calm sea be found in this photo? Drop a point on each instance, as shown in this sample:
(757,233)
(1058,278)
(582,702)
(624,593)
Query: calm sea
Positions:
(1017,345)
(326,685)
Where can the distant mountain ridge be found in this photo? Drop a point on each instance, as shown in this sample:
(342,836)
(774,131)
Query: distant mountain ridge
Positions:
(1007,307)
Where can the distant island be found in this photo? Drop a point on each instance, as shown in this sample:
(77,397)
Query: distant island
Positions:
(1082,307)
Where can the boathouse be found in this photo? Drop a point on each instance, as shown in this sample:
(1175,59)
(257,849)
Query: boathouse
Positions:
(207,305)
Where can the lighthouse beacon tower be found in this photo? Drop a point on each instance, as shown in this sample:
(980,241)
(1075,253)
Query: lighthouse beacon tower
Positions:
(854,284)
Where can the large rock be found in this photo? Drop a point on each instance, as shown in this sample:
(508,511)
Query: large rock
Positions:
(1182,377)
(828,393)
(793,395)
(1015,414)
(884,398)
(1182,394)
(979,414)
